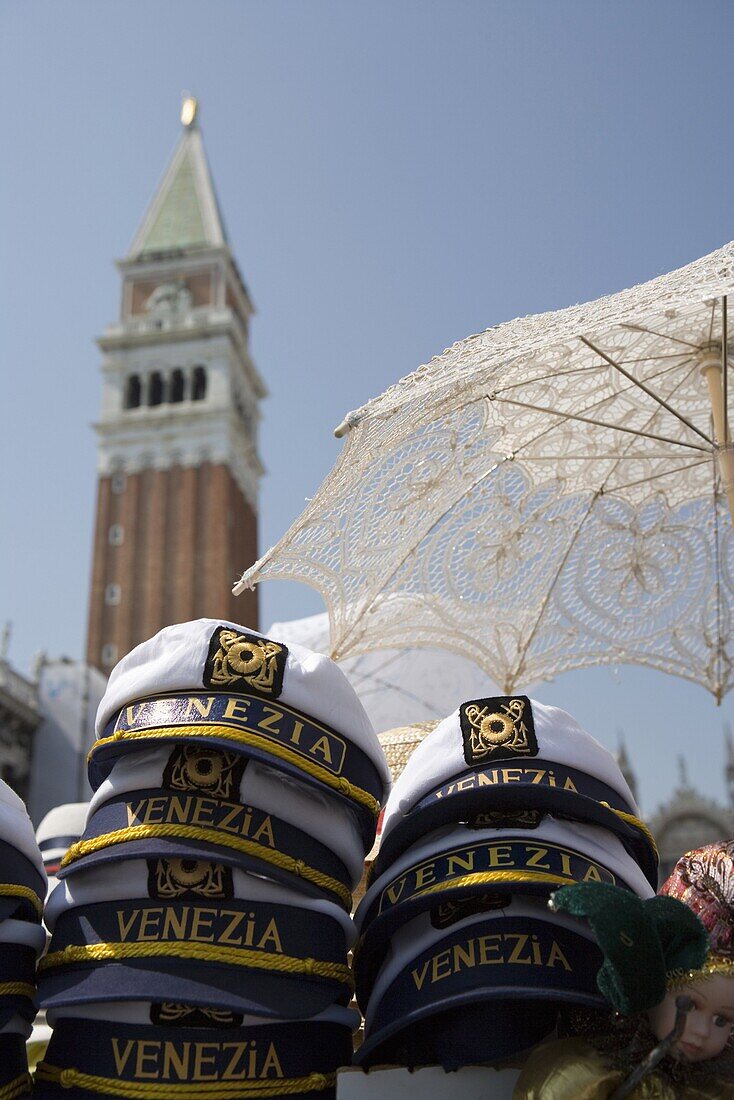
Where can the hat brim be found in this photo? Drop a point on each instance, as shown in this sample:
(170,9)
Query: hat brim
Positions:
(376,937)
(464,805)
(471,1017)
(174,848)
(185,981)
(102,760)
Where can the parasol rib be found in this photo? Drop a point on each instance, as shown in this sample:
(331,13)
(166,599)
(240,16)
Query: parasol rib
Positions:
(599,423)
(724,366)
(718,685)
(711,322)
(510,687)
(583,370)
(656,477)
(571,544)
(662,335)
(641,385)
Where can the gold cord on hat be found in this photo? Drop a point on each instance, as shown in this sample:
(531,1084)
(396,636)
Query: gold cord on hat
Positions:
(636,823)
(211,836)
(70,1078)
(229,956)
(12,890)
(19,1086)
(226,733)
(17,989)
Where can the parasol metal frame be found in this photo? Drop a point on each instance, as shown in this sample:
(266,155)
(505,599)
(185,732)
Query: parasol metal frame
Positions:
(713,362)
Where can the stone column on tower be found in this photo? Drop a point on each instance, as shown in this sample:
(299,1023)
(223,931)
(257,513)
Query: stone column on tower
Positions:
(178,465)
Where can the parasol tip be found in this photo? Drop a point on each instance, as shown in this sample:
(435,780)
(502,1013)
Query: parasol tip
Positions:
(349,421)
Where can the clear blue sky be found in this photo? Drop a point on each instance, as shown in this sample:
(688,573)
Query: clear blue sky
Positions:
(394,176)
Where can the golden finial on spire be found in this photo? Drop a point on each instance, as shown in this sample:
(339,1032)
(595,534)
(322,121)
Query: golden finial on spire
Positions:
(189,110)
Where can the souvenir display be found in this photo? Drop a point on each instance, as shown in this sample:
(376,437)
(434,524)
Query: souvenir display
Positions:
(459,961)
(200,932)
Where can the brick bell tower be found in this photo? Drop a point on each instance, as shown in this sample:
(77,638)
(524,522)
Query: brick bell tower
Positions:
(178,466)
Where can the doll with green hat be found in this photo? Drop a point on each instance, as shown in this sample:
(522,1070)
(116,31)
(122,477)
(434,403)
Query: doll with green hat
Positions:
(668,975)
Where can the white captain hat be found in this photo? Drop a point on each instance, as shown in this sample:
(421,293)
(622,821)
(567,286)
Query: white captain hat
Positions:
(22,878)
(219,683)
(193,932)
(59,829)
(243,812)
(477,984)
(457,865)
(505,753)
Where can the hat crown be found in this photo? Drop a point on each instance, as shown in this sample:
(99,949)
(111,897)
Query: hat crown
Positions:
(555,737)
(179,658)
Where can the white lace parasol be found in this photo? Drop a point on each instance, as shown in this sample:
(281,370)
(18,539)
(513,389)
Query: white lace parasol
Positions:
(543,496)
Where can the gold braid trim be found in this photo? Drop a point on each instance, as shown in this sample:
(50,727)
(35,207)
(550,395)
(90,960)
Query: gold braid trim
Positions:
(713,965)
(20,1086)
(17,989)
(112,1086)
(337,782)
(490,878)
(636,823)
(10,890)
(212,836)
(483,878)
(235,956)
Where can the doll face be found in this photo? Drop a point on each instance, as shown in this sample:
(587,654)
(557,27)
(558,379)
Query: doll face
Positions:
(709,1024)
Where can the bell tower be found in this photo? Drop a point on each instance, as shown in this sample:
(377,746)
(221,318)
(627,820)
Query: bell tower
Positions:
(178,466)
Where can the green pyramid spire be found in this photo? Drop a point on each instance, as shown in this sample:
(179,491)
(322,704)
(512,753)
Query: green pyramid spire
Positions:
(184,213)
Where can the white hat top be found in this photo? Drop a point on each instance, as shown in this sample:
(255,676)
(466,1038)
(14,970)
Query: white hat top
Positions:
(440,757)
(592,841)
(115,882)
(419,934)
(63,821)
(23,932)
(175,660)
(16,828)
(324,818)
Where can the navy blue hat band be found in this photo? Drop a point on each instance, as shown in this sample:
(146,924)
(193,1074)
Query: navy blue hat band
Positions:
(53,842)
(123,1059)
(496,868)
(153,822)
(15,1080)
(22,890)
(18,985)
(271,930)
(276,951)
(266,729)
(504,958)
(478,797)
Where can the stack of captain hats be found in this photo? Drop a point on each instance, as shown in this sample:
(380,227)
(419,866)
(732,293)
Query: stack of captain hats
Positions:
(22,890)
(59,829)
(504,802)
(237,787)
